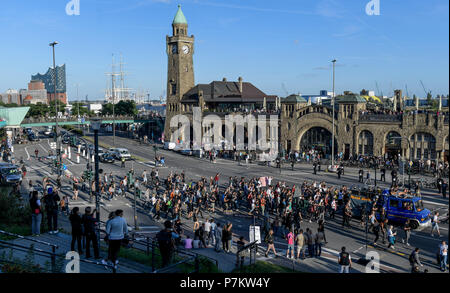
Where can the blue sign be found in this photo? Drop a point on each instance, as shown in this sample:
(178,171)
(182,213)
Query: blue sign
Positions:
(64,167)
(82,120)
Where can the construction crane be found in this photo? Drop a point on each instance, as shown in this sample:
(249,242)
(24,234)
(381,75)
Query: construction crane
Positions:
(426,92)
(380,94)
(406,88)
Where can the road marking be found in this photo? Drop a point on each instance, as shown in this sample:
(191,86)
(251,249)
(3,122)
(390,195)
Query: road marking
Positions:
(28,154)
(435,203)
(358,249)
(43,148)
(149,227)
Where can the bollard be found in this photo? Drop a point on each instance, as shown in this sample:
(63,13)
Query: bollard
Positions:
(84,153)
(78,158)
(65,151)
(70,155)
(93,158)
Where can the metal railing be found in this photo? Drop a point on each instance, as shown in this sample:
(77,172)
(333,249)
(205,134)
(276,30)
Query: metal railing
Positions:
(380,117)
(52,255)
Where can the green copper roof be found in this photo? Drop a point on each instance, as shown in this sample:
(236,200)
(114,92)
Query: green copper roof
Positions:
(13,116)
(179,17)
(294,99)
(350,99)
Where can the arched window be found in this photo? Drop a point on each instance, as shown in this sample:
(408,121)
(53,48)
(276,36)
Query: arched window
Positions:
(365,143)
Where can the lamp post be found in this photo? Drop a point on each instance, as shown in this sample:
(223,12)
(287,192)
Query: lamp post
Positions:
(332,102)
(58,145)
(155,148)
(136,185)
(96,124)
(409,172)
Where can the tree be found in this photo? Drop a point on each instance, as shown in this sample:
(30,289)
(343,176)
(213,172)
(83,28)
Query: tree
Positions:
(38,110)
(81,108)
(61,107)
(429,97)
(107,109)
(122,108)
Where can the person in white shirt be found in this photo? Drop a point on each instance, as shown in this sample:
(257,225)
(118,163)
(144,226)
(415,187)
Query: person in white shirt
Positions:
(434,224)
(207,230)
(212,233)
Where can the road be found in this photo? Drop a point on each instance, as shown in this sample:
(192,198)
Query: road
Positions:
(354,239)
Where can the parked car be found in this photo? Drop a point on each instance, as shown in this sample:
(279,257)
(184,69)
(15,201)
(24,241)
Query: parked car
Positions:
(10,174)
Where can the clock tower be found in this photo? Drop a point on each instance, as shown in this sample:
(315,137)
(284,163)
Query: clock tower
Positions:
(180,69)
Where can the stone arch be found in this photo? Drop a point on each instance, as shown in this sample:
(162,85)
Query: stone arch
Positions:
(303,128)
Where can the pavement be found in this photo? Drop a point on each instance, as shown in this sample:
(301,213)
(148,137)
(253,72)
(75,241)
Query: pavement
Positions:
(354,239)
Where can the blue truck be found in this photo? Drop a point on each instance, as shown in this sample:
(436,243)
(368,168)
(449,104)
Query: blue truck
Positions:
(399,207)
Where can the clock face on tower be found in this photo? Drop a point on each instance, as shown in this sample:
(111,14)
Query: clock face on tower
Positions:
(185,49)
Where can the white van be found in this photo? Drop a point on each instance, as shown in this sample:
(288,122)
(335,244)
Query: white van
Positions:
(120,153)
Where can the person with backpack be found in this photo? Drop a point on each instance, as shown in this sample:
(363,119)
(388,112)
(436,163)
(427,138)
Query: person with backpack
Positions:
(269,239)
(77,230)
(345,261)
(36,213)
(166,243)
(51,207)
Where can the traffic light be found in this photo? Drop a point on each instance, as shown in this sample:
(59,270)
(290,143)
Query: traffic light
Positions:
(87,175)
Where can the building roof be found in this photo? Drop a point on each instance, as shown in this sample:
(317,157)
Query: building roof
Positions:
(353,98)
(294,99)
(227,91)
(375,98)
(14,115)
(179,17)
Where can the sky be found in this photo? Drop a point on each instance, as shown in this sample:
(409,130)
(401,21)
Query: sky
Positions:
(283,46)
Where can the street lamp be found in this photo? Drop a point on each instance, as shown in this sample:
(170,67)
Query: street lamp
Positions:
(58,145)
(96,124)
(333,100)
(403,172)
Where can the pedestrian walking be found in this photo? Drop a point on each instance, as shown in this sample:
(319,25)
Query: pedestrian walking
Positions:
(319,241)
(435,224)
(407,230)
(391,236)
(269,239)
(414,260)
(344,261)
